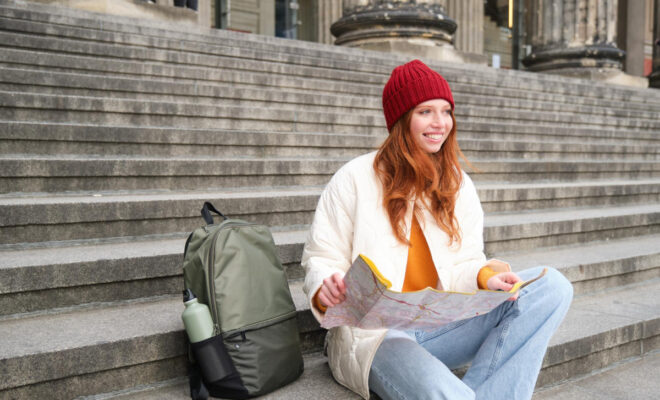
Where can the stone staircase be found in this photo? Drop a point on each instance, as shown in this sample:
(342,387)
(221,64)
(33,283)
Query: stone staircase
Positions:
(114,131)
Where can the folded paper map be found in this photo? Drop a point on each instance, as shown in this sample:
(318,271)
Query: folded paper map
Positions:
(370,304)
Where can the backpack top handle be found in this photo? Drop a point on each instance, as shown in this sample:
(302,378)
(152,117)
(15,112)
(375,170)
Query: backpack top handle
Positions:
(206,213)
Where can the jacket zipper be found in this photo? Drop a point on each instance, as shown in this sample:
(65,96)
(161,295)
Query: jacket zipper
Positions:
(211,271)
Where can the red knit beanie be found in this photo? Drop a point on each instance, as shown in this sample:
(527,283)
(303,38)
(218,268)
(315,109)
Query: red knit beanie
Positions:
(409,85)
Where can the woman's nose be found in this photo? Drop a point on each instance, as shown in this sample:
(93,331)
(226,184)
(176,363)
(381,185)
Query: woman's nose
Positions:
(437,119)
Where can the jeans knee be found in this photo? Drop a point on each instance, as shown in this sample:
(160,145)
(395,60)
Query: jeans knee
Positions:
(560,288)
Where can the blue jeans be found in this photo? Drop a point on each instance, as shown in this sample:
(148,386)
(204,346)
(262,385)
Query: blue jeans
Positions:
(506,348)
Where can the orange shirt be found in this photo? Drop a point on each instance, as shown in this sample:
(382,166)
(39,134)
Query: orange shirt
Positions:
(420,270)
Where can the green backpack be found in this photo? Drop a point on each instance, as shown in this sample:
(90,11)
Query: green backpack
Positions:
(233,268)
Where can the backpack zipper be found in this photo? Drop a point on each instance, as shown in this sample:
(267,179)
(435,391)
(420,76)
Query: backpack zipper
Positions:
(211,270)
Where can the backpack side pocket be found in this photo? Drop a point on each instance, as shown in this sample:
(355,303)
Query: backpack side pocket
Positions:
(217,368)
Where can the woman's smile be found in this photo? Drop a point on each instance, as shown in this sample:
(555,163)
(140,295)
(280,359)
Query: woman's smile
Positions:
(431,123)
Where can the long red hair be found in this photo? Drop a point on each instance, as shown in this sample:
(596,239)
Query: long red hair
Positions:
(405,171)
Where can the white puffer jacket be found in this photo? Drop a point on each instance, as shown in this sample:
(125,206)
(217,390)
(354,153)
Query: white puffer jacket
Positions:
(350,220)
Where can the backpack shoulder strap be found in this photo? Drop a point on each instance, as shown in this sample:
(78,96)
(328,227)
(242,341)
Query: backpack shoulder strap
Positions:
(206,213)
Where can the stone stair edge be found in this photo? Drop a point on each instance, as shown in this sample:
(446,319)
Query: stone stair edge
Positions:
(581,261)
(75,47)
(568,345)
(304,143)
(120,86)
(285,99)
(35,217)
(19,174)
(169,135)
(465,126)
(643,103)
(597,104)
(380,60)
(344,88)
(71,104)
(589,87)
(258,191)
(22,258)
(29,208)
(484,166)
(317,379)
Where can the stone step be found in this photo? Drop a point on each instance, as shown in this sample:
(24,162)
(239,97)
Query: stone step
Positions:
(89,110)
(316,381)
(200,92)
(42,138)
(594,267)
(487,140)
(57,275)
(80,173)
(597,251)
(33,138)
(526,230)
(511,130)
(57,173)
(73,216)
(510,197)
(633,378)
(75,353)
(72,84)
(330,57)
(12,35)
(245,81)
(47,61)
(95,110)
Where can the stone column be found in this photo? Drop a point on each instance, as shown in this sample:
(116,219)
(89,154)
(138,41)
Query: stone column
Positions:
(632,23)
(654,78)
(329,11)
(419,28)
(469,15)
(575,38)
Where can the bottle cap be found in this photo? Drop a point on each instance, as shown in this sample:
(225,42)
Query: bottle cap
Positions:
(188,295)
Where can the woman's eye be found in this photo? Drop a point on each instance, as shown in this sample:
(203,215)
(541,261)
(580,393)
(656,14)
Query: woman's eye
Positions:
(448,112)
(425,111)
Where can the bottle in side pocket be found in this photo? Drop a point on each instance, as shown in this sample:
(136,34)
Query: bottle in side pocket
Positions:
(196,318)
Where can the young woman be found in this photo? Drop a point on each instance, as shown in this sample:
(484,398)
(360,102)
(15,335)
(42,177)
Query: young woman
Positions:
(411,209)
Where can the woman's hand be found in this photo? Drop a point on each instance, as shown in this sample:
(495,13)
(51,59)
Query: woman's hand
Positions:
(504,281)
(333,290)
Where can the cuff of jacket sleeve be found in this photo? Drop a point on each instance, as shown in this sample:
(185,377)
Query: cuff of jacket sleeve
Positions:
(484,275)
(318,304)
